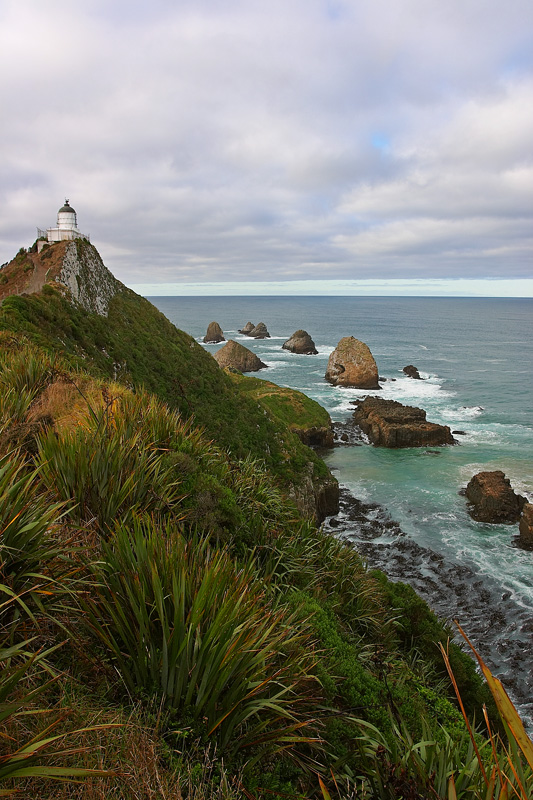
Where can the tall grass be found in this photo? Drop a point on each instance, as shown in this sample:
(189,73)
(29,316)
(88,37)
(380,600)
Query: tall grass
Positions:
(106,471)
(179,619)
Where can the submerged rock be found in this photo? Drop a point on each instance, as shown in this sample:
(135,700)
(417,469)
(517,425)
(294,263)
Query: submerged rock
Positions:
(300,342)
(492,499)
(388,423)
(412,372)
(259,332)
(352,364)
(236,356)
(526,525)
(214,334)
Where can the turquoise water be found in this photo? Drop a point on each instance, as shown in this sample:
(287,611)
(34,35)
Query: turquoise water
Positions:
(476,358)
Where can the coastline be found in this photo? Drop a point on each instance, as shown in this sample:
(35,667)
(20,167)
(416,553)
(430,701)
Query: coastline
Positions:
(453,591)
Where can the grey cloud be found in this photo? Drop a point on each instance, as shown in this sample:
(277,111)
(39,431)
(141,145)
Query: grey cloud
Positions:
(207,141)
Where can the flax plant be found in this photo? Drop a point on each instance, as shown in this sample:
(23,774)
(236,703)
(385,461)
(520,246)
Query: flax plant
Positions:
(27,547)
(105,472)
(179,620)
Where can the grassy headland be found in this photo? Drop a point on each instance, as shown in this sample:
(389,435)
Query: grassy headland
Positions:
(167,616)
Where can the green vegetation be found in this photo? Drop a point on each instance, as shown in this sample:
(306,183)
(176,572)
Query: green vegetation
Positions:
(170,625)
(138,346)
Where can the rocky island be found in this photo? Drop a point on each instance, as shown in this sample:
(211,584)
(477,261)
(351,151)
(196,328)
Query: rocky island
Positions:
(492,499)
(388,423)
(300,342)
(352,364)
(214,334)
(235,355)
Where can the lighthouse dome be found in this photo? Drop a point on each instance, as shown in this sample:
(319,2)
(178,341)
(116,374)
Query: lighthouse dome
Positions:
(67,207)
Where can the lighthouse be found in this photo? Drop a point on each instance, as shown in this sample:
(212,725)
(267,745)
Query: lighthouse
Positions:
(66,228)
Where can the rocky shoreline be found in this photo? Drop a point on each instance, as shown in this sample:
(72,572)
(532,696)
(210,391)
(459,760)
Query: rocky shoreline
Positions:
(496,622)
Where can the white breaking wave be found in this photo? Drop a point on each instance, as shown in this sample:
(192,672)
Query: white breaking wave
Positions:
(462,412)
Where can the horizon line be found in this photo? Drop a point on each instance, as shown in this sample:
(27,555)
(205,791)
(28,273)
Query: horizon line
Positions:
(394,287)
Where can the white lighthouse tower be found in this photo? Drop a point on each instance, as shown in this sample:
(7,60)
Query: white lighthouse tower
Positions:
(66,229)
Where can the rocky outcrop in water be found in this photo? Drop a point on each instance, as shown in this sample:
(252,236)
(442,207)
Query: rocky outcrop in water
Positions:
(388,423)
(352,364)
(259,332)
(412,372)
(492,499)
(247,328)
(301,343)
(235,356)
(214,334)
(526,525)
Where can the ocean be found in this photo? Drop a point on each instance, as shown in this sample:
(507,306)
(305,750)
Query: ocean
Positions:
(476,358)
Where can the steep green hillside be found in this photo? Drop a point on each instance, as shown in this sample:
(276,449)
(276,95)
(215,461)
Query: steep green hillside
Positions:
(136,345)
(150,581)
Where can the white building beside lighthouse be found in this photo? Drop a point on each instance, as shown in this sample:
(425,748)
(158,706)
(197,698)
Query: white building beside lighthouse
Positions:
(66,229)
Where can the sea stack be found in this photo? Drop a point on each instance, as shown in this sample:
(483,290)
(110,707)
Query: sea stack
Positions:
(352,364)
(214,334)
(301,343)
(412,372)
(247,328)
(492,499)
(236,356)
(259,332)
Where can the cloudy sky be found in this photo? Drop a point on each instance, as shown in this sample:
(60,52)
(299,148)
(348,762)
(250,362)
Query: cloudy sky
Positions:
(264,142)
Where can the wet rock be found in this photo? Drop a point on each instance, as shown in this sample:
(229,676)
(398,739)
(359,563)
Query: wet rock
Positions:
(492,499)
(412,372)
(235,356)
(214,334)
(300,342)
(459,433)
(526,525)
(259,332)
(352,364)
(499,626)
(388,423)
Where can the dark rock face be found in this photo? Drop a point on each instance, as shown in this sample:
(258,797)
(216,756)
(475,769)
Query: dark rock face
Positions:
(247,328)
(492,499)
(315,436)
(388,423)
(526,525)
(412,372)
(259,332)
(300,342)
(235,356)
(316,497)
(214,334)
(352,364)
